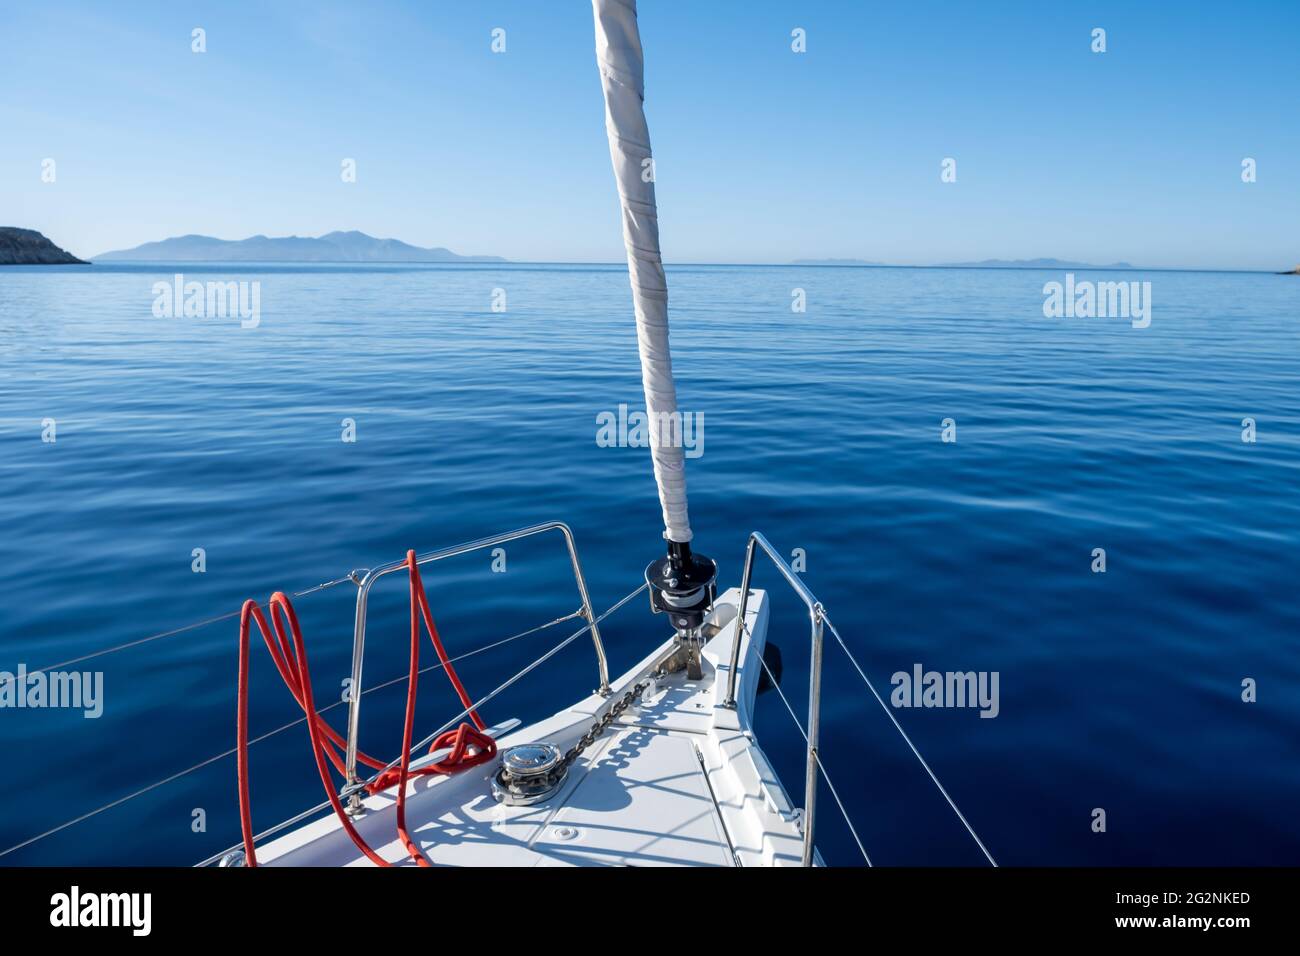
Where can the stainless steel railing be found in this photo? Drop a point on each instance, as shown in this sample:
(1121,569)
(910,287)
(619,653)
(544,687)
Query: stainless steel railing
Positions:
(817,617)
(820,622)
(368,579)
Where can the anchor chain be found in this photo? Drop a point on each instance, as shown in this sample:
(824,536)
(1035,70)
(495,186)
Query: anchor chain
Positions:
(600,726)
(518,784)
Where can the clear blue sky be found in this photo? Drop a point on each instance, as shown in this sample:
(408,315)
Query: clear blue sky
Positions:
(762,155)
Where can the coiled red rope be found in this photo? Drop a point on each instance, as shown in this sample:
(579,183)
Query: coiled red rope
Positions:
(469,744)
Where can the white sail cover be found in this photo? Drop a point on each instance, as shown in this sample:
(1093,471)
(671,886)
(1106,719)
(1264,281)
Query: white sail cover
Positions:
(618,54)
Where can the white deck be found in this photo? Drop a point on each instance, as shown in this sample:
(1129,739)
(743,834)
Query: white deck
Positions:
(677,781)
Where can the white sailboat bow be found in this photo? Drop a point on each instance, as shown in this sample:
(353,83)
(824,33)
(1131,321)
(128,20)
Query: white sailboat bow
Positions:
(673,777)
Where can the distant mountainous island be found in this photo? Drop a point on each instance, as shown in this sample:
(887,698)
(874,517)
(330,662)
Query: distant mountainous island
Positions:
(1032,264)
(984,264)
(333,247)
(27,247)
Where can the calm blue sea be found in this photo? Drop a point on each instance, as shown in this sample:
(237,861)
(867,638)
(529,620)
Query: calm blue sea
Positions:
(1119,690)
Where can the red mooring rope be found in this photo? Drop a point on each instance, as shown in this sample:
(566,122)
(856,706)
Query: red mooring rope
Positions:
(469,744)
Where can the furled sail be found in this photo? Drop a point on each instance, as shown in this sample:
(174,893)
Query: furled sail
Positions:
(618,54)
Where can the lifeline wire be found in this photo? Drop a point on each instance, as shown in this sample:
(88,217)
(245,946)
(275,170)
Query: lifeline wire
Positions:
(293,723)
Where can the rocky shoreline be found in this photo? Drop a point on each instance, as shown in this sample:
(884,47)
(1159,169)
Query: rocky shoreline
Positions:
(27,247)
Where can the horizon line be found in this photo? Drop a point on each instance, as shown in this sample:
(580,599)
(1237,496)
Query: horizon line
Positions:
(483,264)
